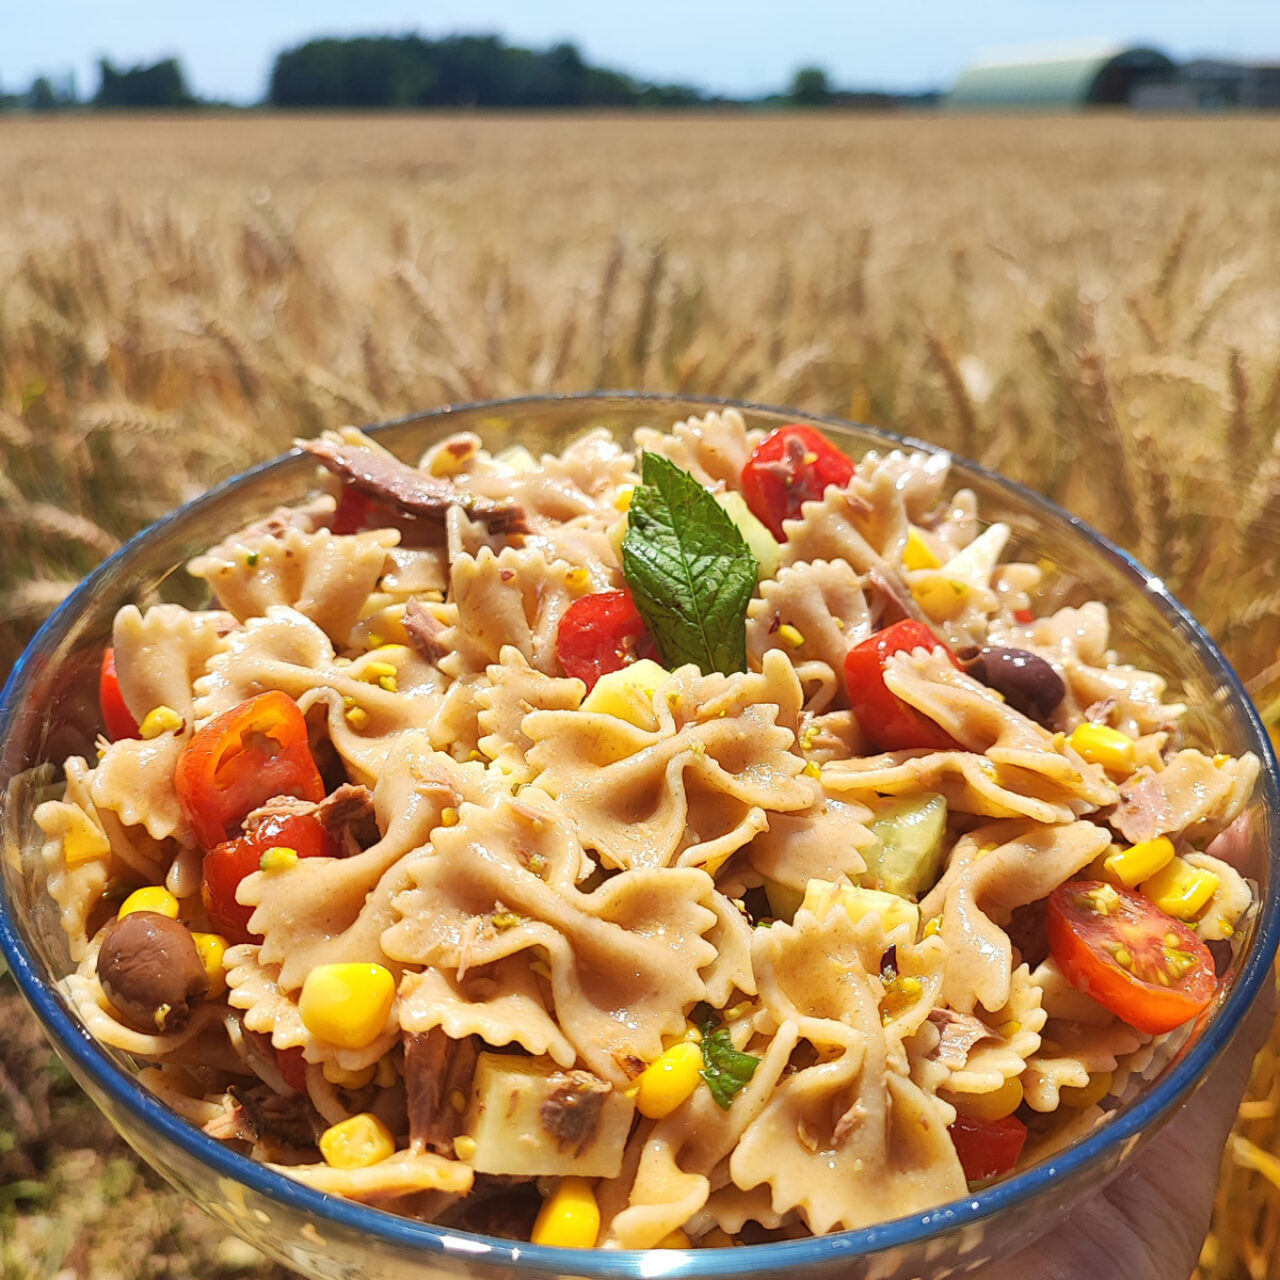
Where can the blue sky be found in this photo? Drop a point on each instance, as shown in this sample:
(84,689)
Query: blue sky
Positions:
(738,47)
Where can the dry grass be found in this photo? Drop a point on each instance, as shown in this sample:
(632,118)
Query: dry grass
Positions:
(1089,305)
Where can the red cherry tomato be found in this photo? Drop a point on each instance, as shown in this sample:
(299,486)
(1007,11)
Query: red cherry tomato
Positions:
(987,1148)
(888,723)
(351,512)
(602,633)
(293,1066)
(791,466)
(1116,945)
(226,864)
(1024,616)
(115,714)
(242,759)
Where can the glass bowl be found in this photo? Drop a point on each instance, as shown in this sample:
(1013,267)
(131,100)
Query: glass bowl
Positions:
(49,710)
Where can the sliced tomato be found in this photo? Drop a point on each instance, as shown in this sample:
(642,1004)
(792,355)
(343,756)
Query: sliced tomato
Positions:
(293,1066)
(116,715)
(987,1148)
(1116,945)
(240,760)
(789,467)
(226,864)
(888,723)
(602,633)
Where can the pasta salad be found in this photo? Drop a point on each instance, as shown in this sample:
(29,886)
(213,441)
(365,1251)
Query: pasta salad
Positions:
(705,840)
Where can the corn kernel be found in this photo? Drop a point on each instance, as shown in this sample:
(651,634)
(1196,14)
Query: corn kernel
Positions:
(211,947)
(449,817)
(625,494)
(790,636)
(941,598)
(278,858)
(933,926)
(154,897)
(993,1105)
(388,683)
(577,579)
(160,720)
(1139,861)
(1220,759)
(347,1004)
(674,1240)
(669,1080)
(917,553)
(1100,744)
(82,840)
(1181,890)
(569,1217)
(357,1143)
(811,770)
(1098,868)
(345,1079)
(464,1147)
(1085,1095)
(357,717)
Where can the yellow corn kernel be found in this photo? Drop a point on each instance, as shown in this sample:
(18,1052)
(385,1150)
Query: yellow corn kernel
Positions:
(388,683)
(674,1240)
(569,1217)
(1181,890)
(211,947)
(1100,744)
(993,1105)
(357,1143)
(1220,759)
(345,1079)
(628,693)
(160,720)
(1139,861)
(932,926)
(154,897)
(917,554)
(577,579)
(464,1147)
(347,1004)
(625,494)
(811,770)
(1098,868)
(668,1080)
(790,636)
(357,717)
(449,817)
(278,858)
(82,839)
(1085,1095)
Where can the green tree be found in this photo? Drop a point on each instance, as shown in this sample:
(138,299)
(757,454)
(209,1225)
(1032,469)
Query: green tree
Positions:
(810,87)
(162,84)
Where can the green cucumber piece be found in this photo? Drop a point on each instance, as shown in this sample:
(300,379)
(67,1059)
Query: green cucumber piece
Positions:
(764,546)
(910,845)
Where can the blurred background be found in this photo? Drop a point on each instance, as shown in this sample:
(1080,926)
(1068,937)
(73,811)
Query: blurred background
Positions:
(1046,240)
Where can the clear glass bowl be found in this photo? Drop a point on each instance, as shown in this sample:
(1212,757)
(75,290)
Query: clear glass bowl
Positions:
(49,710)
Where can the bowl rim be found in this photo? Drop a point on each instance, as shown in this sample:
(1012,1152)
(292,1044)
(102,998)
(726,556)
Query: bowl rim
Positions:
(72,1040)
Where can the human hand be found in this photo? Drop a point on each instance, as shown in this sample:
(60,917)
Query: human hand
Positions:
(1149,1222)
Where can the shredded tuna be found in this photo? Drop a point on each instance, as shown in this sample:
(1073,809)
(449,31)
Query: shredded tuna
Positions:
(437,1075)
(958,1033)
(410,490)
(340,813)
(283,1124)
(897,601)
(425,630)
(1143,810)
(233,1123)
(571,1113)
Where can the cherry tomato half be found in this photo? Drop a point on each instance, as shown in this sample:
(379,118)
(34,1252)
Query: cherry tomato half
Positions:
(226,864)
(352,510)
(241,759)
(987,1148)
(1116,945)
(116,715)
(602,633)
(789,467)
(888,723)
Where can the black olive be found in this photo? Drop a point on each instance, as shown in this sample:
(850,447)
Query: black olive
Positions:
(1029,684)
(151,972)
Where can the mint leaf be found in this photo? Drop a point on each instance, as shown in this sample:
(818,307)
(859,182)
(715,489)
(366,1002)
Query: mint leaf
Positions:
(690,571)
(725,1069)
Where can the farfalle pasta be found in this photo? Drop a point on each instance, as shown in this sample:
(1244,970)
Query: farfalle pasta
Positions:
(711,830)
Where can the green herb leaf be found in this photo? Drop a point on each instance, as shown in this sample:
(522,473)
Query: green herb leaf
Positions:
(725,1069)
(690,570)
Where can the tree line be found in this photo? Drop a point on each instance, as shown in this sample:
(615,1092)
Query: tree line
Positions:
(411,71)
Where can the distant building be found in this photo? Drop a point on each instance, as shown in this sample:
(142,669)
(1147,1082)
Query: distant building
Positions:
(1060,78)
(1212,85)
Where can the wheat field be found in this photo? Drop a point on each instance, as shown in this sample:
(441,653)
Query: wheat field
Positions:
(1091,305)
